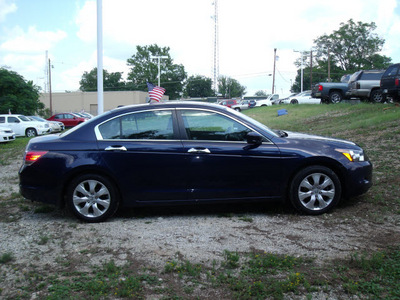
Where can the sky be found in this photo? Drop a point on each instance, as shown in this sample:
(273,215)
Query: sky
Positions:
(249,31)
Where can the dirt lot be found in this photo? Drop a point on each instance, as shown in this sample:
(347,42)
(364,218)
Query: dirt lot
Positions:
(199,234)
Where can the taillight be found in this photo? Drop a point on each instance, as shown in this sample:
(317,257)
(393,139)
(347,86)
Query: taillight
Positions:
(33,156)
(320,87)
(396,82)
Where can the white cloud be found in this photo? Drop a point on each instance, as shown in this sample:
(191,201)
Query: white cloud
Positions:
(6,7)
(32,40)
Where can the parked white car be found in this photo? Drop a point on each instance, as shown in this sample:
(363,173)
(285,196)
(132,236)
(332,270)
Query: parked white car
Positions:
(267,102)
(23,126)
(6,134)
(54,125)
(301,98)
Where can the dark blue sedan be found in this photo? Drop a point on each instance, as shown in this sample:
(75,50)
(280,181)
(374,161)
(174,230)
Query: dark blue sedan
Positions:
(183,152)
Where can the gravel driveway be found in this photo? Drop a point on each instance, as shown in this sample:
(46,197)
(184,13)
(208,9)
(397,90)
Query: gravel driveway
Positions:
(198,234)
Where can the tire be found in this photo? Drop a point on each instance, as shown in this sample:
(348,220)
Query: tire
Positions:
(315,190)
(294,101)
(237,109)
(376,96)
(92,198)
(335,97)
(31,132)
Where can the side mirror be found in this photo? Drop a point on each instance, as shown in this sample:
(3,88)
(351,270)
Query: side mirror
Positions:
(254,139)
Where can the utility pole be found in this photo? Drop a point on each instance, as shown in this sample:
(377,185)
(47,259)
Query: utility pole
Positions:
(329,65)
(311,69)
(50,95)
(159,57)
(301,80)
(273,76)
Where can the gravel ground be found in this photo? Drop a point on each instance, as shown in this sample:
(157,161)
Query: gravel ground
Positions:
(198,234)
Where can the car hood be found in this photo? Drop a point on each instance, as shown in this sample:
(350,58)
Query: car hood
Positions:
(310,137)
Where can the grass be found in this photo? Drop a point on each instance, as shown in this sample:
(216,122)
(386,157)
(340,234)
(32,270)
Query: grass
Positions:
(254,275)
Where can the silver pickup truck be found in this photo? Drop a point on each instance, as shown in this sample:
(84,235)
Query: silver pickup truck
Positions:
(365,84)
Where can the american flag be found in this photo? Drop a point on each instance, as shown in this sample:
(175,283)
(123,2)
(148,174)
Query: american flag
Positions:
(155,92)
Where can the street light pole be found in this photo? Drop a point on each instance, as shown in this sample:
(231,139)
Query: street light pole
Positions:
(159,57)
(50,95)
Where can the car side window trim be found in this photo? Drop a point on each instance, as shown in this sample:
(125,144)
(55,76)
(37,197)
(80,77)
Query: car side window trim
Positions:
(185,136)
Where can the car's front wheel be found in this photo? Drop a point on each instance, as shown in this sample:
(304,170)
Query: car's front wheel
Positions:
(31,132)
(315,190)
(92,198)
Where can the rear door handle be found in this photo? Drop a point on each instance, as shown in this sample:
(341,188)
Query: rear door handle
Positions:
(115,148)
(199,150)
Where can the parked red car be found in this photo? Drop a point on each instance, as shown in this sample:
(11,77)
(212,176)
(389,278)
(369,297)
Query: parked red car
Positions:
(228,102)
(69,119)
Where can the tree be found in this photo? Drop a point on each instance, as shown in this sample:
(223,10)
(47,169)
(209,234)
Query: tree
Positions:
(260,93)
(144,69)
(353,47)
(18,95)
(230,87)
(199,86)
(111,81)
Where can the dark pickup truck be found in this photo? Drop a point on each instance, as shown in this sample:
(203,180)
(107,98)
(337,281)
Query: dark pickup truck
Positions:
(331,92)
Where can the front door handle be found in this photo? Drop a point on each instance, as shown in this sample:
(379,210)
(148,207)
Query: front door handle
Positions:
(115,148)
(199,150)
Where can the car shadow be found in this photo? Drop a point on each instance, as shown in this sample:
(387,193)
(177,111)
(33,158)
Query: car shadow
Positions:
(219,210)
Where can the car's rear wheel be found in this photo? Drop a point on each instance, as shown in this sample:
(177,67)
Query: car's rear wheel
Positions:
(294,101)
(31,132)
(92,198)
(315,190)
(335,97)
(376,96)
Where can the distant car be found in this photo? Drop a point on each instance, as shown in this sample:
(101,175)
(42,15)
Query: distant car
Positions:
(365,84)
(389,84)
(228,102)
(268,101)
(54,126)
(69,119)
(188,153)
(85,115)
(252,103)
(6,134)
(301,98)
(23,126)
(242,105)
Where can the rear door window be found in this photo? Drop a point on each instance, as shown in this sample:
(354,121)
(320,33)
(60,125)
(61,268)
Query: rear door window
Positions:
(148,125)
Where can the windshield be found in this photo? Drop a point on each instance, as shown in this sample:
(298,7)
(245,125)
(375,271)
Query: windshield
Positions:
(23,118)
(35,118)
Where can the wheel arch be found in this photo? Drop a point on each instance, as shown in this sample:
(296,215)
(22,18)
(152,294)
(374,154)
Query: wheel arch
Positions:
(337,168)
(84,170)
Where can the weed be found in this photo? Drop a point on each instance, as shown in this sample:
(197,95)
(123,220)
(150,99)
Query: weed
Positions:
(43,239)
(44,209)
(6,257)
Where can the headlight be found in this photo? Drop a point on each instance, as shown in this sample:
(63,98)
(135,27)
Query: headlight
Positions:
(352,155)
